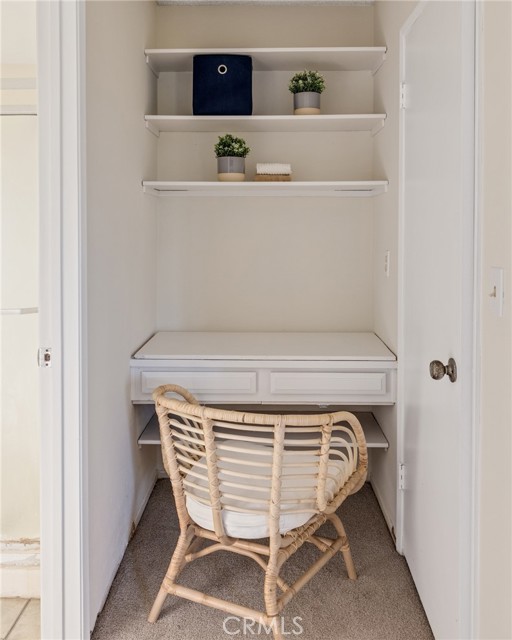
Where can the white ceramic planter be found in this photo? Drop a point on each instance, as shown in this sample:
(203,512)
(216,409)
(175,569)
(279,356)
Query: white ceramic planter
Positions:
(231,169)
(306,103)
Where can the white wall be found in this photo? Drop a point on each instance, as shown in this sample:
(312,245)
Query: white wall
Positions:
(264,26)
(19,417)
(242,267)
(495,490)
(121,269)
(18,29)
(267,264)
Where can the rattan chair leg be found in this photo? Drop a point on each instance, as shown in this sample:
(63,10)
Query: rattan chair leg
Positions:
(272,607)
(178,557)
(175,566)
(270,594)
(157,605)
(349,563)
(345,549)
(276,628)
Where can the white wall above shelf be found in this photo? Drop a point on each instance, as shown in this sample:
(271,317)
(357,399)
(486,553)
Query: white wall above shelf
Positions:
(359,188)
(282,59)
(274,123)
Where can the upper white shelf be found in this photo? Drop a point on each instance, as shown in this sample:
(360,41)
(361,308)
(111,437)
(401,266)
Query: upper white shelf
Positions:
(275,123)
(361,188)
(282,59)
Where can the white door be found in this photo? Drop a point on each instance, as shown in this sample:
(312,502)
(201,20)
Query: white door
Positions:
(437,212)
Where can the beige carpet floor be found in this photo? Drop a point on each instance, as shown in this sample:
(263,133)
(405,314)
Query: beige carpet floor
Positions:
(382,604)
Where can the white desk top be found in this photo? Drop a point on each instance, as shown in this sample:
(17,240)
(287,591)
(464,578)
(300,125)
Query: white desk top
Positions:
(213,345)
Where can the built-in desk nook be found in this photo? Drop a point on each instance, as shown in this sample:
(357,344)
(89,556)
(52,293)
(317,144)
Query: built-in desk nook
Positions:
(291,291)
(315,369)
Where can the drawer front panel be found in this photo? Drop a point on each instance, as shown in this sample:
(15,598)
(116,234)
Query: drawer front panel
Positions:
(335,384)
(202,383)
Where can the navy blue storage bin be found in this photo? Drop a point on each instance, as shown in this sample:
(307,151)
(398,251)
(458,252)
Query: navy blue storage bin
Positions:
(222,85)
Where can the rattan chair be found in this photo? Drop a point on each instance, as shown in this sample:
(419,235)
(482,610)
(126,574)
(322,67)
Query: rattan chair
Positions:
(240,476)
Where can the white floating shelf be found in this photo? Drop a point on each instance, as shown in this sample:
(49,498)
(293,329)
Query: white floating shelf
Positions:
(287,59)
(375,438)
(361,188)
(278,123)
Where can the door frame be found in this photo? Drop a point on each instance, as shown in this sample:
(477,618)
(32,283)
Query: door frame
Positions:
(471,331)
(64,526)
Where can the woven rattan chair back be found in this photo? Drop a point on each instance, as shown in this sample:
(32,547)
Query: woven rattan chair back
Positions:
(237,476)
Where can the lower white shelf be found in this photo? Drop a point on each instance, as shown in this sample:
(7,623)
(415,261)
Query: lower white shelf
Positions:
(358,188)
(375,438)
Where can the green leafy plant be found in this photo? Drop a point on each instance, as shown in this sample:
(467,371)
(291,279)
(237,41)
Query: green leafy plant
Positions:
(229,145)
(307,81)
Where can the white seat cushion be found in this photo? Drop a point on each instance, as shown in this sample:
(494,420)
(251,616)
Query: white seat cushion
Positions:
(297,483)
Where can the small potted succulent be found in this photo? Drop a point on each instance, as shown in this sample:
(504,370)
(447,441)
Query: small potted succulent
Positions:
(306,87)
(231,153)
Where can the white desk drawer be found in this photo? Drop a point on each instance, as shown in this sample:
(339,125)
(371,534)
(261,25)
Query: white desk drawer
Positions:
(204,384)
(335,384)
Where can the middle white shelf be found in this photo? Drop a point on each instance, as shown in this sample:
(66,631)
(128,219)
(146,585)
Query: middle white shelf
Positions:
(269,123)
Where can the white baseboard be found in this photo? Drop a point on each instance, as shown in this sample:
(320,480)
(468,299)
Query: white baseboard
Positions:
(385,512)
(145,499)
(20,569)
(161,472)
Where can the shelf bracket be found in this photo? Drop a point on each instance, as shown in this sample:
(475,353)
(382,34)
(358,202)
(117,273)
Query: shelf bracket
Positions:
(155,72)
(381,62)
(378,127)
(154,130)
(149,191)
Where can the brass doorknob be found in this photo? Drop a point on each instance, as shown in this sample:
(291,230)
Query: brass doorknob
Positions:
(438,370)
